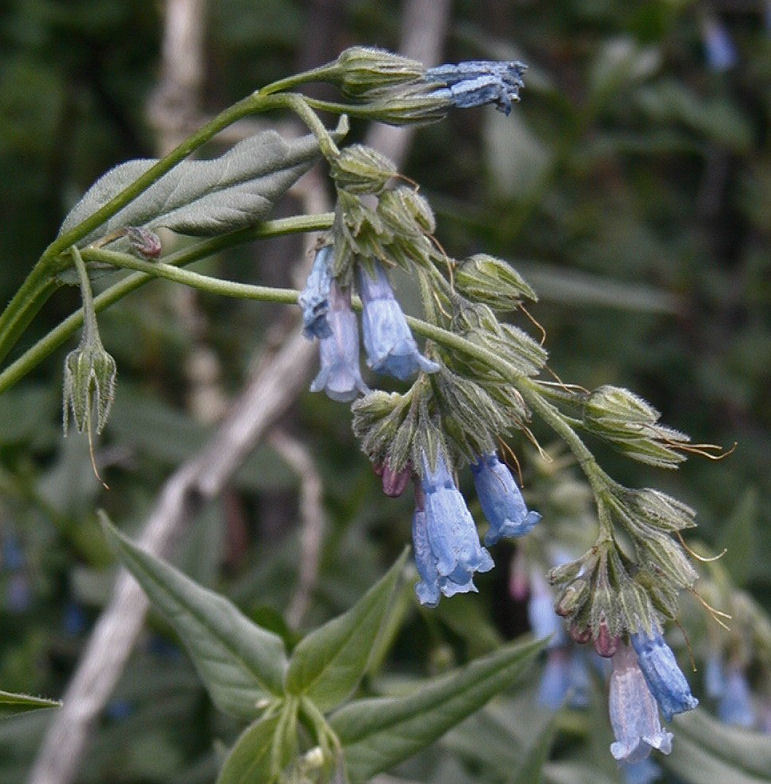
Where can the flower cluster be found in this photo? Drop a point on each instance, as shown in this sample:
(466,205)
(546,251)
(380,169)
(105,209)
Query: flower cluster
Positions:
(328,316)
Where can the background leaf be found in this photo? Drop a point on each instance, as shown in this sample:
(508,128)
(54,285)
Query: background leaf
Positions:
(328,664)
(378,733)
(18,703)
(249,760)
(708,750)
(239,662)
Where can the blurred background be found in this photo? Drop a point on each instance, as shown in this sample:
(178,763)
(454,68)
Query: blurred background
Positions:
(631,187)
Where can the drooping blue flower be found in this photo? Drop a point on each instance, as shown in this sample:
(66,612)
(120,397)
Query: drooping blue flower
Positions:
(544,622)
(447,548)
(340,376)
(634,715)
(735,703)
(501,500)
(665,679)
(314,299)
(565,676)
(719,47)
(645,771)
(388,341)
(479,82)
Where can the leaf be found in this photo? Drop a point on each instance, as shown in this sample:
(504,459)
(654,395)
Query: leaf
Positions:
(231,192)
(249,760)
(739,537)
(239,662)
(378,733)
(708,750)
(18,703)
(328,664)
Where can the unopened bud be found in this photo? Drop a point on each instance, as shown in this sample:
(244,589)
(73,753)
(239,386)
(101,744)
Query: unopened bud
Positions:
(89,385)
(360,169)
(605,643)
(394,482)
(572,599)
(144,242)
(579,634)
(363,69)
(495,282)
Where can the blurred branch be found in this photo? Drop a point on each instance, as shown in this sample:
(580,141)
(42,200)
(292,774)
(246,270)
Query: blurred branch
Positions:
(312,521)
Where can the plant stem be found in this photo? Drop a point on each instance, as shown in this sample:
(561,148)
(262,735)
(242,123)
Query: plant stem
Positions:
(47,345)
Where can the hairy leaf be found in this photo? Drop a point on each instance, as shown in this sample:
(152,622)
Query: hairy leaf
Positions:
(708,750)
(236,190)
(328,664)
(239,662)
(378,733)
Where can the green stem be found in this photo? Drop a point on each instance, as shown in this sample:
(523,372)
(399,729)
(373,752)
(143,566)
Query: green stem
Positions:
(47,345)
(195,280)
(323,73)
(90,329)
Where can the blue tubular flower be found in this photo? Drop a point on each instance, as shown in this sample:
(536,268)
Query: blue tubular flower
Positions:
(340,376)
(387,338)
(314,299)
(501,500)
(665,679)
(478,82)
(645,771)
(447,549)
(544,622)
(735,704)
(633,712)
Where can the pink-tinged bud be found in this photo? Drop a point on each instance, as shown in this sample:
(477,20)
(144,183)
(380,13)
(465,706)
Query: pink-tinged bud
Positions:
(605,644)
(519,579)
(395,482)
(145,242)
(579,634)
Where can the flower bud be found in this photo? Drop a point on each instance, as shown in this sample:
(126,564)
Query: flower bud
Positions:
(579,634)
(486,279)
(144,242)
(89,384)
(605,643)
(361,169)
(572,598)
(363,69)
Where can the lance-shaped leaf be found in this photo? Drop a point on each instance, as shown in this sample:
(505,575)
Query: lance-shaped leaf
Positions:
(250,758)
(708,750)
(328,664)
(378,733)
(11,702)
(236,190)
(239,662)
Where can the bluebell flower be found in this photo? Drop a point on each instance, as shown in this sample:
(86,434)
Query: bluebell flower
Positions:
(501,500)
(665,679)
(388,341)
(479,82)
(340,376)
(735,703)
(645,771)
(718,46)
(634,715)
(314,299)
(544,622)
(447,549)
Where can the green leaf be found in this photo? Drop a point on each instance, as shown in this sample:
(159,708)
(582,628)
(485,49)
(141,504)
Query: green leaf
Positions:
(250,758)
(236,190)
(708,750)
(239,662)
(739,537)
(328,664)
(18,703)
(378,733)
